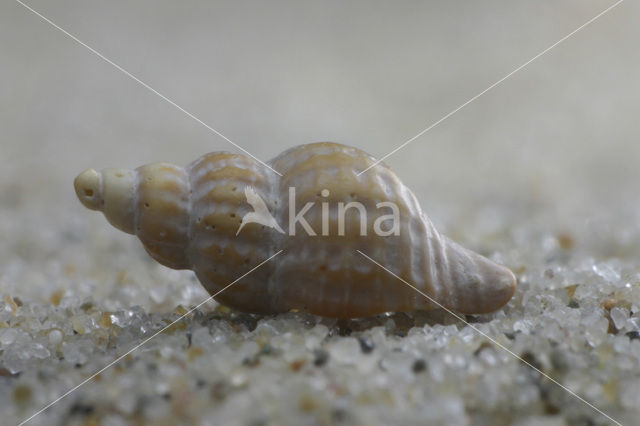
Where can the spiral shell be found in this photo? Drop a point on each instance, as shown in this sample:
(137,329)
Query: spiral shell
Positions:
(197,218)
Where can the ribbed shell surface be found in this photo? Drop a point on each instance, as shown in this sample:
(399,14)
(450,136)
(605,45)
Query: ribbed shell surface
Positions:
(324,274)
(225,215)
(218,256)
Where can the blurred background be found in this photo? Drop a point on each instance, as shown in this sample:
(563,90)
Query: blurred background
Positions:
(560,137)
(540,173)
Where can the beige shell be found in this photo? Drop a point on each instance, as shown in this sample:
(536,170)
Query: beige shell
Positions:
(189,218)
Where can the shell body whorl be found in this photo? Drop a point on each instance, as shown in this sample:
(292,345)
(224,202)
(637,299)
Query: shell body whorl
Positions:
(196,218)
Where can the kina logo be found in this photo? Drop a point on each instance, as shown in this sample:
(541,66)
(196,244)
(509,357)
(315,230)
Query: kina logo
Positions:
(260,213)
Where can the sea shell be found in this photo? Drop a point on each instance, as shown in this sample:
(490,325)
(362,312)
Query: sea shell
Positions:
(192,218)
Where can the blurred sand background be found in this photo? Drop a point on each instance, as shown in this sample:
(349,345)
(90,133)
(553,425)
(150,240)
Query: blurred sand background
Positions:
(561,134)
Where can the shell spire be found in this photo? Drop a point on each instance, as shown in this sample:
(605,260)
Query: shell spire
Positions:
(225,213)
(112,191)
(151,202)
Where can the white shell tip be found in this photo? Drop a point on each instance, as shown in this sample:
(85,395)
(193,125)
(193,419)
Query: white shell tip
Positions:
(88,189)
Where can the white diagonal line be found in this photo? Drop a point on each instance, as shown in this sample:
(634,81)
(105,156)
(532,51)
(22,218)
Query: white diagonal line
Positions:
(133,77)
(492,86)
(495,342)
(141,344)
